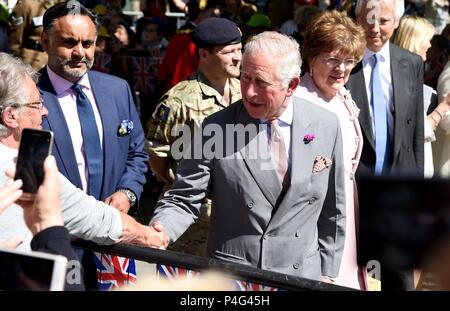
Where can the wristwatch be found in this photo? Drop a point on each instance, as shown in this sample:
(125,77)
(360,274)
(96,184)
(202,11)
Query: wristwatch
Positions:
(130,195)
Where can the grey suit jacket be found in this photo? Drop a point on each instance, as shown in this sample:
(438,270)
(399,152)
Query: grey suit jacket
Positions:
(300,232)
(407,78)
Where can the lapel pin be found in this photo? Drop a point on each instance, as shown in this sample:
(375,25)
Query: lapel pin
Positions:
(308,138)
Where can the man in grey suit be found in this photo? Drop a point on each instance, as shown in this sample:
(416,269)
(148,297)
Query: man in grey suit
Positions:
(402,90)
(287,220)
(400,148)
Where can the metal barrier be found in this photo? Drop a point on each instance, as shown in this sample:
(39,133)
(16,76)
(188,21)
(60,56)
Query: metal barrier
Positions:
(241,272)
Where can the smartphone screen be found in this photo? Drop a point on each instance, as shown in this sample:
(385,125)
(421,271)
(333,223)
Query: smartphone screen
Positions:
(37,271)
(35,146)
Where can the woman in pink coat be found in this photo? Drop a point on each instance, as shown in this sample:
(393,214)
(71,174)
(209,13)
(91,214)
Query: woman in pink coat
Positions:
(333,45)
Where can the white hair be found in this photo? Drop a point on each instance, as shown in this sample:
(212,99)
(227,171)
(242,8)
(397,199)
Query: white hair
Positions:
(12,75)
(285,50)
(399,6)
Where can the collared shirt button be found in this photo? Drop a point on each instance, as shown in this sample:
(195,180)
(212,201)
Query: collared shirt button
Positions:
(351,176)
(296,265)
(297,233)
(250,204)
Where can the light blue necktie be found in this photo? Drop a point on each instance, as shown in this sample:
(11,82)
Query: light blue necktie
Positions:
(91,140)
(379,110)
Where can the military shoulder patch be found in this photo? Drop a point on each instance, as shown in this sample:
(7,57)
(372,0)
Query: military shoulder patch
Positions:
(16,21)
(163,112)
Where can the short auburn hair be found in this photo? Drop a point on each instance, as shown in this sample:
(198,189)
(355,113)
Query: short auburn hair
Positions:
(333,31)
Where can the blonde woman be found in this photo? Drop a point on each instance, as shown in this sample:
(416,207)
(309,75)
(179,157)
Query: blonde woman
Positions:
(414,33)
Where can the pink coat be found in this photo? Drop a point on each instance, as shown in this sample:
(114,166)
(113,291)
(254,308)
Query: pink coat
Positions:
(350,275)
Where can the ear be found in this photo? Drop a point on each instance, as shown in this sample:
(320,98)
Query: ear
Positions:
(44,41)
(396,24)
(292,86)
(9,117)
(203,53)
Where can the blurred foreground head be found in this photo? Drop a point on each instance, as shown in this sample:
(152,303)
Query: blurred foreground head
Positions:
(208,281)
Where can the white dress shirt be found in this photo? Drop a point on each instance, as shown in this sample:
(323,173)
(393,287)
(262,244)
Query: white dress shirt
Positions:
(68,103)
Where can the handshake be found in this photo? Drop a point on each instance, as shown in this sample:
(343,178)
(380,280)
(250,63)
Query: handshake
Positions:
(156,237)
(137,234)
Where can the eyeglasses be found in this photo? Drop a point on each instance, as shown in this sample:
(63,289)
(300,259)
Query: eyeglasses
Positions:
(35,105)
(334,62)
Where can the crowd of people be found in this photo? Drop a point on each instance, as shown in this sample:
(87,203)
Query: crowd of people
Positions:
(259,122)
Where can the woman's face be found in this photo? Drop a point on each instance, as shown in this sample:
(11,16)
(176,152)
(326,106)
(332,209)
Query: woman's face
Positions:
(330,71)
(423,50)
(150,34)
(121,34)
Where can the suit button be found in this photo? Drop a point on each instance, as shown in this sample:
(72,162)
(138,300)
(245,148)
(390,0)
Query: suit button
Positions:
(296,265)
(409,121)
(297,233)
(250,204)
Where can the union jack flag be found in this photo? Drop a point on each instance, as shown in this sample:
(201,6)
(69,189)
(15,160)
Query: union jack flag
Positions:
(145,73)
(114,271)
(102,63)
(172,272)
(244,286)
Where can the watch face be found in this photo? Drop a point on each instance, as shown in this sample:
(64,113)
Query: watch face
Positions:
(130,195)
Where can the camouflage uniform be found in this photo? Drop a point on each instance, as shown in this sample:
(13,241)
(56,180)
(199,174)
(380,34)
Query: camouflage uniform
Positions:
(25,27)
(189,102)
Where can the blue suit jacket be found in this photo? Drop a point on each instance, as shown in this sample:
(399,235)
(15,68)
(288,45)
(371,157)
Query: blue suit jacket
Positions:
(125,161)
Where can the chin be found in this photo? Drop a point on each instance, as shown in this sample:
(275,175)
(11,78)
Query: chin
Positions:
(234,73)
(74,74)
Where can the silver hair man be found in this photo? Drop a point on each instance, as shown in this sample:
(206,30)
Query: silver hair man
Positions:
(11,86)
(281,47)
(398,4)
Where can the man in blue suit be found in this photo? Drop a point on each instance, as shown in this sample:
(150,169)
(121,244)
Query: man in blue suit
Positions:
(100,146)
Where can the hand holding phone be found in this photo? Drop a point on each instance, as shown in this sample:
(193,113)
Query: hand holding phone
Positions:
(35,146)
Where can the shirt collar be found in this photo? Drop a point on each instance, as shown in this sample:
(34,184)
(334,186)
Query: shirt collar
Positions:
(287,116)
(61,85)
(384,53)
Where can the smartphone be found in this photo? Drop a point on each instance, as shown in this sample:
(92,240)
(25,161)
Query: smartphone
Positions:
(35,146)
(29,270)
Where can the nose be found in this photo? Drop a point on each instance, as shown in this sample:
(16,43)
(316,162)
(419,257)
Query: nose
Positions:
(341,66)
(44,111)
(237,56)
(78,50)
(375,27)
(248,89)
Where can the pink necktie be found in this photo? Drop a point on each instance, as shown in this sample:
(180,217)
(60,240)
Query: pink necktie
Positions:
(278,151)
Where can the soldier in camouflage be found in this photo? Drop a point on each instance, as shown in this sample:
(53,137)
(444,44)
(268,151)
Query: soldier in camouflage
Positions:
(25,28)
(211,88)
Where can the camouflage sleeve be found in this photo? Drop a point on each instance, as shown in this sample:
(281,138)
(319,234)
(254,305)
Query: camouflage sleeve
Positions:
(17,23)
(159,126)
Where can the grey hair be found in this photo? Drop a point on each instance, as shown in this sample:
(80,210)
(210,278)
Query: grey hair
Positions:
(12,75)
(398,4)
(285,50)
